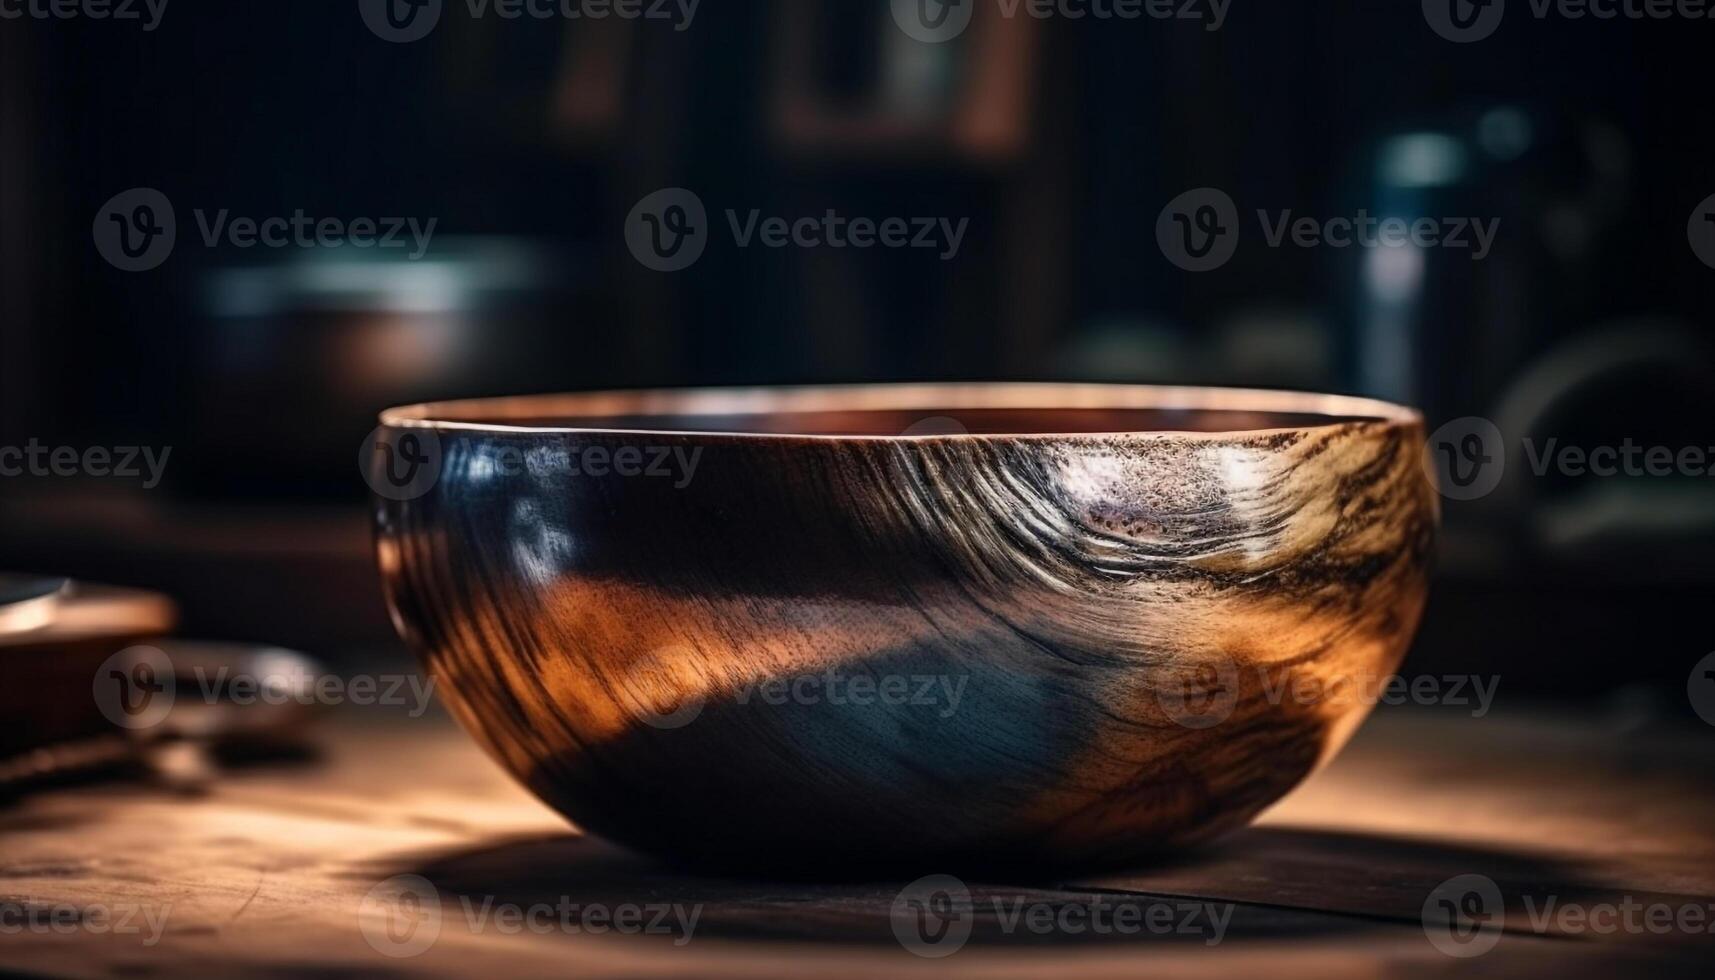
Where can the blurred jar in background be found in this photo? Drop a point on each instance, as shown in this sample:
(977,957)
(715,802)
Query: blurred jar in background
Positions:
(300,354)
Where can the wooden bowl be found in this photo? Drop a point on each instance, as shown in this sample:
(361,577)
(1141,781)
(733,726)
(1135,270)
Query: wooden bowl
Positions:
(907,625)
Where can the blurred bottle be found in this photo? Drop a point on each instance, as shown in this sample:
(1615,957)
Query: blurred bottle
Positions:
(1447,328)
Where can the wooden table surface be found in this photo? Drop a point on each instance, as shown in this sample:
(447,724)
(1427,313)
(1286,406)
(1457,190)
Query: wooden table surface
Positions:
(275,871)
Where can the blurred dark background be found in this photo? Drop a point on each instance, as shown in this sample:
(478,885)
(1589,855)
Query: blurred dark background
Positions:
(529,141)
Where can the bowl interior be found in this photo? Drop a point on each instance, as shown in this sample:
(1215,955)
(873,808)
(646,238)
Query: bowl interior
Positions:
(891,411)
(923,421)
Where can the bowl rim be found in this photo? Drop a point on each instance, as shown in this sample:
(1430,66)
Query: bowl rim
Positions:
(930,399)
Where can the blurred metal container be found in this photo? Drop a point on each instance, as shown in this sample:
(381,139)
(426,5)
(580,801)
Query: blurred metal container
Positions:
(298,355)
(1438,328)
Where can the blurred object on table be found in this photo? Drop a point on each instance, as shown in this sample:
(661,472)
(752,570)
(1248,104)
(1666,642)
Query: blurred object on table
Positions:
(50,666)
(96,689)
(468,316)
(1632,384)
(27,603)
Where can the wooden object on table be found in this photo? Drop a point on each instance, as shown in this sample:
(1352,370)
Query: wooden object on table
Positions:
(1104,582)
(50,669)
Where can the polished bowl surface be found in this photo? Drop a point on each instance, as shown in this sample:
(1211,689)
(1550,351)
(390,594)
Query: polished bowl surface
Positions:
(917,625)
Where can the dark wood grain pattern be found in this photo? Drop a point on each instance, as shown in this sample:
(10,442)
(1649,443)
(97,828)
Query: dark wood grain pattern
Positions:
(1102,621)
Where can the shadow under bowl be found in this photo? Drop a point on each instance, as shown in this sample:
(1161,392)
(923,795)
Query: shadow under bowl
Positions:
(907,626)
